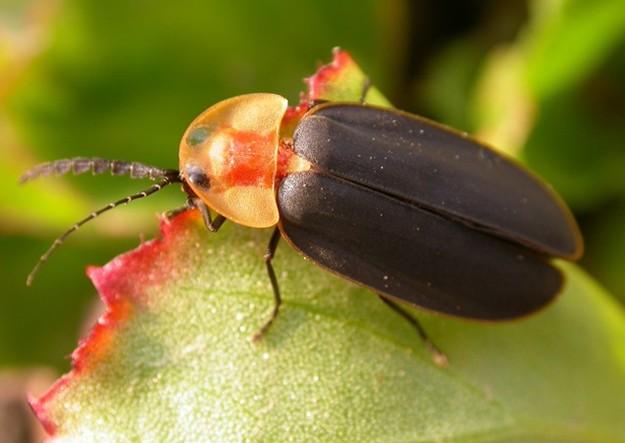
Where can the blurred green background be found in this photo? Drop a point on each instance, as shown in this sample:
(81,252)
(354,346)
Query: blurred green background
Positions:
(544,80)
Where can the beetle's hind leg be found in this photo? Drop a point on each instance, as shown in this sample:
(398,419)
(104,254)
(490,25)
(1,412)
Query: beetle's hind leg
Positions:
(277,299)
(439,358)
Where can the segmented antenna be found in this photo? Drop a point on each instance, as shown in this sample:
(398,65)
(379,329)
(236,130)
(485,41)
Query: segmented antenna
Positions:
(96,165)
(80,165)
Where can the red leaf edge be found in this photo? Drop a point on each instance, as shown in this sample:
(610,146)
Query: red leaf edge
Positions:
(121,295)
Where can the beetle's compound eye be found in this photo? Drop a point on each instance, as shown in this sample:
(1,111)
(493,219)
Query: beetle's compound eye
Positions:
(197,177)
(197,136)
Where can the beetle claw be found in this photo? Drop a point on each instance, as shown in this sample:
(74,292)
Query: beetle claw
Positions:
(258,335)
(438,357)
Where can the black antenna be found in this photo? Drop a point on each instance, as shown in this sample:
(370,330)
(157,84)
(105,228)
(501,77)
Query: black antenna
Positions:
(96,165)
(81,165)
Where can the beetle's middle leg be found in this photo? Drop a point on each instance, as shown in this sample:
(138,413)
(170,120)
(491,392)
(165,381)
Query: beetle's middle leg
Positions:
(277,299)
(439,358)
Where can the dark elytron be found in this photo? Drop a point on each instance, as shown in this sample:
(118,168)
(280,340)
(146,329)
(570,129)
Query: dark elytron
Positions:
(424,214)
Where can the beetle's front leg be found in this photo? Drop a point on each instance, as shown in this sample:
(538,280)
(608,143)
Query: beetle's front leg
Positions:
(212,224)
(174,212)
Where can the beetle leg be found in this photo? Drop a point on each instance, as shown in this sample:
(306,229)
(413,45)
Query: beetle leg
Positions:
(277,300)
(212,224)
(439,358)
(174,212)
(365,89)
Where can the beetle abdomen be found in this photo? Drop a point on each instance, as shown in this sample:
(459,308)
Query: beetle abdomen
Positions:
(406,252)
(428,165)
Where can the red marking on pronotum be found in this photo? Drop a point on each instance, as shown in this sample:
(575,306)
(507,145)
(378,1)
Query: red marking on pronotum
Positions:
(246,163)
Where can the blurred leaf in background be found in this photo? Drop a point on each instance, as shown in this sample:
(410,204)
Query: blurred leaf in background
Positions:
(553,94)
(122,80)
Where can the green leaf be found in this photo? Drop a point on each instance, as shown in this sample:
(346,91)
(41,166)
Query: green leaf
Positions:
(172,359)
